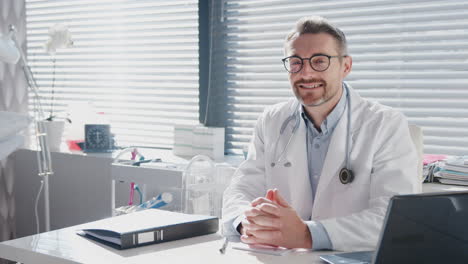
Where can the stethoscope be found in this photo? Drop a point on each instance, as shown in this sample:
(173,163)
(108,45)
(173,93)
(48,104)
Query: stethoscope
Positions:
(345,175)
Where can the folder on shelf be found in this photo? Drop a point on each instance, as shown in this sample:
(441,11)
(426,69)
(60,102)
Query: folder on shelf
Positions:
(147,227)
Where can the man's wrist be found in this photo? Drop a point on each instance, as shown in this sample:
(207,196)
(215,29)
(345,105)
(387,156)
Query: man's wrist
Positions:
(307,237)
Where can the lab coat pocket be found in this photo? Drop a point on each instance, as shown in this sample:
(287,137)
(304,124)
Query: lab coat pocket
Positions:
(350,198)
(279,176)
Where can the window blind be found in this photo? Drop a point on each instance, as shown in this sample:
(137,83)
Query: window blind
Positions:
(136,61)
(411,55)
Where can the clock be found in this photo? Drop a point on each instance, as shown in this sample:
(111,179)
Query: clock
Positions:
(98,138)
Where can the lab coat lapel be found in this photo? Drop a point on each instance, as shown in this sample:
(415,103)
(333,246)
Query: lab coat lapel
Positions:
(301,193)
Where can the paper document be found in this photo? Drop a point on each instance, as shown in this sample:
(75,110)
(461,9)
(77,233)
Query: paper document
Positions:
(264,249)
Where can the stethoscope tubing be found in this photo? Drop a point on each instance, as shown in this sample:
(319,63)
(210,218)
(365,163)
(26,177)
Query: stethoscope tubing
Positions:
(295,116)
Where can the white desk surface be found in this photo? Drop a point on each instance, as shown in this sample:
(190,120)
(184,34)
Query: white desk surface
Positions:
(65,246)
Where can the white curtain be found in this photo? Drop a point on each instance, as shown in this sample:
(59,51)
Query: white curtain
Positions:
(14,98)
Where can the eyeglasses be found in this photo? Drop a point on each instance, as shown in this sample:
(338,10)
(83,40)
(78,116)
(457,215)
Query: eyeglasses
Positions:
(318,62)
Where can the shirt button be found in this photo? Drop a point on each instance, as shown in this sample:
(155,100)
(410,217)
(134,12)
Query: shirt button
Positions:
(317,146)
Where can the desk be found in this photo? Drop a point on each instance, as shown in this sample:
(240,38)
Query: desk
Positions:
(64,246)
(438,187)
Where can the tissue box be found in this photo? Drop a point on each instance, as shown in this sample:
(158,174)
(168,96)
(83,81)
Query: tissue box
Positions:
(183,140)
(209,141)
(194,140)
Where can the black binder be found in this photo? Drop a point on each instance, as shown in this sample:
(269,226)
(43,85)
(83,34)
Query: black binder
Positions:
(147,227)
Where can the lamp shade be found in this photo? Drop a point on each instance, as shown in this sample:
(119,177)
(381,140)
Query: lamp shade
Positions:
(8,51)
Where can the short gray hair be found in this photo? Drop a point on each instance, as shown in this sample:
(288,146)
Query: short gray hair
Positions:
(315,25)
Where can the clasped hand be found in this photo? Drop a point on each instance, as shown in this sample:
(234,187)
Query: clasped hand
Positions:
(271,221)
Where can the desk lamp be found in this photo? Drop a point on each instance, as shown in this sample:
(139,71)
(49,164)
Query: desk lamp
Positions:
(11,52)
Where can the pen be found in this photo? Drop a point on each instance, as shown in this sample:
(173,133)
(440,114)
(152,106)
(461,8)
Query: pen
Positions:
(224,246)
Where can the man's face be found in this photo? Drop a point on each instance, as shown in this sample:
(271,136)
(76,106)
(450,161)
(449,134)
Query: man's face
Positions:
(314,88)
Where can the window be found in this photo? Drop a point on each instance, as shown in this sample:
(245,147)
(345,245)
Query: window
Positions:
(411,55)
(136,61)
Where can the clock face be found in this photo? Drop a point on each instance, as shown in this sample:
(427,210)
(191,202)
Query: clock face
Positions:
(97,138)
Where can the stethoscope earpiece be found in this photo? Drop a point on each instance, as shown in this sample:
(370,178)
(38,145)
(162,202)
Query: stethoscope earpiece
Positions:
(346,176)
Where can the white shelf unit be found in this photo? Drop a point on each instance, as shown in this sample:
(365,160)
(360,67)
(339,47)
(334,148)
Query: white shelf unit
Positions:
(165,178)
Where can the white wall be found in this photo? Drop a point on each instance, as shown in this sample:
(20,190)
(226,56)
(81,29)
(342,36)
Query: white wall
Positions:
(79,190)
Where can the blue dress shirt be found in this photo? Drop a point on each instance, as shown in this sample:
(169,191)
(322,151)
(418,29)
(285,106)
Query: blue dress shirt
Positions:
(317,147)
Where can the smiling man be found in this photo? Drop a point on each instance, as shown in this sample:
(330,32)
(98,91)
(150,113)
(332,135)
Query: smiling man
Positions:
(322,166)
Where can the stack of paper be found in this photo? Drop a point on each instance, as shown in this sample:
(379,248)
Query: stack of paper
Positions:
(455,171)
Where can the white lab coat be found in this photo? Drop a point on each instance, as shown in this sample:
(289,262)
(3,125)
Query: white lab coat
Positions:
(383,159)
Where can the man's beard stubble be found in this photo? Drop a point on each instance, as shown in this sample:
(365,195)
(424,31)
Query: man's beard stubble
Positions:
(324,99)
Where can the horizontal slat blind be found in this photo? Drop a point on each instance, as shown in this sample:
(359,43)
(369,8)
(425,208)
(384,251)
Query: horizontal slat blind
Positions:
(136,61)
(411,55)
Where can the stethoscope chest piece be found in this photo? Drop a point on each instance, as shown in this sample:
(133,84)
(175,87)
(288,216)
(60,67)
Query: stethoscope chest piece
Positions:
(346,176)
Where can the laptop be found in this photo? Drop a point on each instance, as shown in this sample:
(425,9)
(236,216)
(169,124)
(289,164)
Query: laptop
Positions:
(420,228)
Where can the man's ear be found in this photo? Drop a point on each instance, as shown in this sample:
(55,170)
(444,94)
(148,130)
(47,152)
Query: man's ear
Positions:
(347,65)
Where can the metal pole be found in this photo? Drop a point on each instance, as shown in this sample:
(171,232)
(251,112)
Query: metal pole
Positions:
(43,151)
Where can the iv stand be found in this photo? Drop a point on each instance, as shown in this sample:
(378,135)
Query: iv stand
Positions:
(43,151)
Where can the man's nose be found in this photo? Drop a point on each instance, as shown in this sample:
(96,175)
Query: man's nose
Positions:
(307,68)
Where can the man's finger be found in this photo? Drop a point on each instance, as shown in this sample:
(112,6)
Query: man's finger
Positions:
(253,212)
(268,208)
(260,200)
(268,236)
(249,226)
(263,237)
(279,199)
(266,221)
(269,195)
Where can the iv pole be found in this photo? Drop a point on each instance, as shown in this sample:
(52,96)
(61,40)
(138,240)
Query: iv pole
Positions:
(43,151)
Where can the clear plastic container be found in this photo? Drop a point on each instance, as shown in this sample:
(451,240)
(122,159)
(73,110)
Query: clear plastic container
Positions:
(204,184)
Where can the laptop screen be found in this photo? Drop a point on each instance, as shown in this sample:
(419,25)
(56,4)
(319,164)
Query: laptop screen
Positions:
(425,228)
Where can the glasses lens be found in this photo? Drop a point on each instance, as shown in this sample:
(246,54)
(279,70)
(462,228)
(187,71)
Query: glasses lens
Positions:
(293,64)
(320,63)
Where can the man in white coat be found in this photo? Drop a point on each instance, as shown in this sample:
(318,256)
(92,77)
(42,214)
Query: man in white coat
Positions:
(289,192)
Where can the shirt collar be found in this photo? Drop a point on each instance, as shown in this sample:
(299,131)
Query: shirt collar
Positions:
(329,124)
